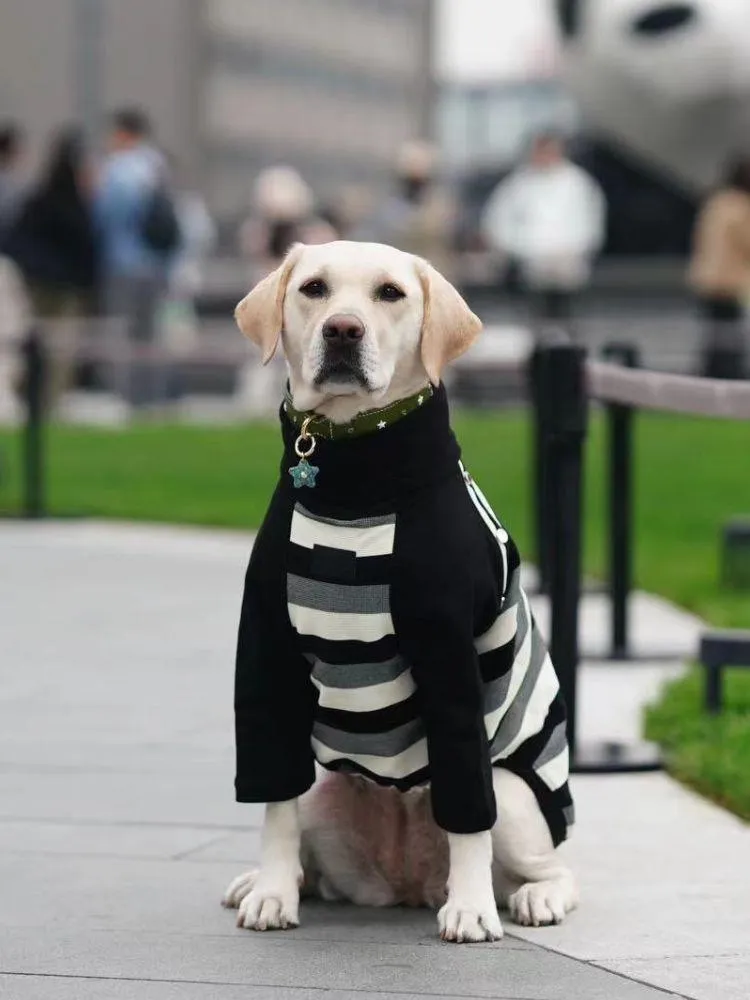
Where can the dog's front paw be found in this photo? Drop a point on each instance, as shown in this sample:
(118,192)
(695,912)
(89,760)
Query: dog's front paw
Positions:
(272,903)
(460,921)
(239,888)
(265,903)
(537,904)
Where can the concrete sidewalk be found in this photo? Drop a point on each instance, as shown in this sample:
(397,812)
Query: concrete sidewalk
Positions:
(118,830)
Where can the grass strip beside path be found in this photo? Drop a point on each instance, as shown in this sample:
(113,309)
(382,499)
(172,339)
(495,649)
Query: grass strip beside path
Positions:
(691,475)
(709,753)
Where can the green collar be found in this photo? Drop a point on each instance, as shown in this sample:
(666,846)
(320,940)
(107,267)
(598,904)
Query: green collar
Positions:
(363,423)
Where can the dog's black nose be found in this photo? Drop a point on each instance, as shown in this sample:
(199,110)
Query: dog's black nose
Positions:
(342,330)
(664,18)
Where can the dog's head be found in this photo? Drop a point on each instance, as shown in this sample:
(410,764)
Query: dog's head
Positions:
(361,321)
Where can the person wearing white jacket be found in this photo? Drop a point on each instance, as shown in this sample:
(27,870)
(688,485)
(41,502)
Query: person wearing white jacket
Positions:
(549,217)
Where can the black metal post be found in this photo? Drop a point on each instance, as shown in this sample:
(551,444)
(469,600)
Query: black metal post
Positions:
(539,491)
(719,651)
(564,407)
(621,543)
(35,378)
(714,689)
(565,404)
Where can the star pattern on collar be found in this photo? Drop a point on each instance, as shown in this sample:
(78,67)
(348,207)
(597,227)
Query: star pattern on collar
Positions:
(364,423)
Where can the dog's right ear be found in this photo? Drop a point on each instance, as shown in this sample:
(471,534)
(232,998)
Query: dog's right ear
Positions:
(449,327)
(260,315)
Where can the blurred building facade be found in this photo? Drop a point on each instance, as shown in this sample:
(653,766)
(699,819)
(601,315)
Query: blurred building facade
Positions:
(487,125)
(331,86)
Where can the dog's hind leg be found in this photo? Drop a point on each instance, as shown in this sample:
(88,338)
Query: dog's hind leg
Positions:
(530,875)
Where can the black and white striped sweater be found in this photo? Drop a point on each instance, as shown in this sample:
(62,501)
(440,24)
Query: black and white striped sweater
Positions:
(384,631)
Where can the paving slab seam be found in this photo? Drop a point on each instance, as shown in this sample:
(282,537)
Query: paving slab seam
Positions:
(141,858)
(271,986)
(596,964)
(131,772)
(129,823)
(185,855)
(235,934)
(634,979)
(678,957)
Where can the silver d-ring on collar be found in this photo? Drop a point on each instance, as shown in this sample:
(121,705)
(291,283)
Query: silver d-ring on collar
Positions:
(304,437)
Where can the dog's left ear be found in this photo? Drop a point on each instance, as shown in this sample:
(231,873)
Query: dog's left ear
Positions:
(260,315)
(449,327)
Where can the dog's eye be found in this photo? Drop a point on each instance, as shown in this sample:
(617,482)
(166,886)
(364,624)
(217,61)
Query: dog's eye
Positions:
(316,288)
(389,293)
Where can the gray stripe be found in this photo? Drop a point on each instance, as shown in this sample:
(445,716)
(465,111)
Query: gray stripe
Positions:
(511,724)
(495,693)
(555,745)
(389,744)
(569,812)
(524,622)
(513,591)
(362,522)
(522,625)
(514,639)
(355,675)
(368,599)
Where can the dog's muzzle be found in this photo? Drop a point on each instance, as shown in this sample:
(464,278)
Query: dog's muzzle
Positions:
(342,356)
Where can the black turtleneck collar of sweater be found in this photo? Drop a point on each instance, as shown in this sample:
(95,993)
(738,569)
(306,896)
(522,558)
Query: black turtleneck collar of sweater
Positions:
(378,470)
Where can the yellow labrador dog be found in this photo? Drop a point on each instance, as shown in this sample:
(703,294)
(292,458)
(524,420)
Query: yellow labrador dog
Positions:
(396,708)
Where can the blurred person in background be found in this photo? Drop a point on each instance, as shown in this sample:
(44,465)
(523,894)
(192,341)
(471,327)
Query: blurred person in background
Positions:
(720,273)
(283,212)
(52,241)
(418,215)
(198,234)
(15,321)
(138,224)
(548,217)
(11,184)
(15,310)
(352,206)
(198,239)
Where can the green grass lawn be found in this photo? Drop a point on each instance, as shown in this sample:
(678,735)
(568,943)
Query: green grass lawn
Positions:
(691,476)
(709,753)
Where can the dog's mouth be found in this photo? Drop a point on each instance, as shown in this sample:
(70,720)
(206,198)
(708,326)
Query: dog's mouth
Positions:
(342,368)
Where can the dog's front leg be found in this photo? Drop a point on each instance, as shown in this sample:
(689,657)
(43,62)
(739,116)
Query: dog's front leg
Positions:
(470,914)
(269,898)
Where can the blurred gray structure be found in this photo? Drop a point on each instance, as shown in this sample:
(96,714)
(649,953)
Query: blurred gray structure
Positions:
(331,86)
(667,82)
(488,124)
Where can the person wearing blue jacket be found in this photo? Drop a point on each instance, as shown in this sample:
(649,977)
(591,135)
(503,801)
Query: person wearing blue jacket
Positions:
(135,266)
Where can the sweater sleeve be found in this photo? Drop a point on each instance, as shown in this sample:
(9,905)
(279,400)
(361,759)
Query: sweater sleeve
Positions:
(432,609)
(274,696)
